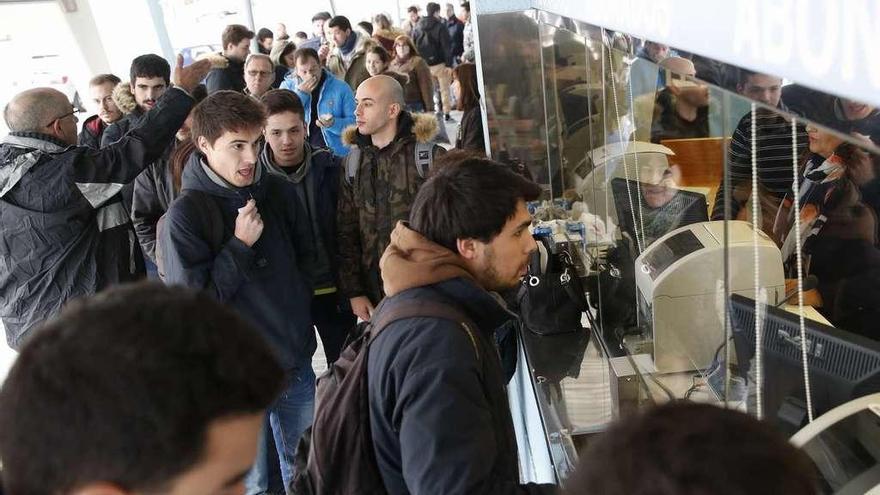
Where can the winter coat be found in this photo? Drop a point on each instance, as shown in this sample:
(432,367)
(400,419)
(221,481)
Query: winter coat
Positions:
(381,193)
(420,87)
(337,99)
(356,71)
(65,231)
(92,130)
(432,40)
(153,193)
(456,36)
(439,416)
(266,283)
(470,132)
(318,192)
(230,77)
(386,37)
(281,68)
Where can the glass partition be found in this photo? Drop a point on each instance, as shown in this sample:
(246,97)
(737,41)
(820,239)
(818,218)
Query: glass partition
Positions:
(699,198)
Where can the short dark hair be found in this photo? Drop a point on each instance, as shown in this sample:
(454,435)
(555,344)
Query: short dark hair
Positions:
(413,9)
(234,33)
(150,65)
(341,22)
(380,50)
(264,33)
(466,6)
(101,79)
(282,100)
(367,27)
(685,447)
(468,198)
(305,52)
(123,386)
(432,8)
(225,111)
(321,16)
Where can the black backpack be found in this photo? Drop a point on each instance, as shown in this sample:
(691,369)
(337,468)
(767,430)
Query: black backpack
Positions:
(335,455)
(428,44)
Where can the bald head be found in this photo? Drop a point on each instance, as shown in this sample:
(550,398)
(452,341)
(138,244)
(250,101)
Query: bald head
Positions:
(385,88)
(34,109)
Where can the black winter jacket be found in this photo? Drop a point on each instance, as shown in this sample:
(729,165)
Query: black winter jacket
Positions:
(470,132)
(65,231)
(91,133)
(230,77)
(268,283)
(153,194)
(439,416)
(432,41)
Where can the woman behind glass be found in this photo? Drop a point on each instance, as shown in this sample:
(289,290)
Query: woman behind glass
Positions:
(419,91)
(467,97)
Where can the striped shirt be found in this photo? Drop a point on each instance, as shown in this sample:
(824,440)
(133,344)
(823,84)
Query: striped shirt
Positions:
(774,158)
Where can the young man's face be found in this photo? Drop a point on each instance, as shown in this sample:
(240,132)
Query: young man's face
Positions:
(502,262)
(763,88)
(258,75)
(318,28)
(374,110)
(413,17)
(102,96)
(233,155)
(239,51)
(285,134)
(230,449)
(339,35)
(147,90)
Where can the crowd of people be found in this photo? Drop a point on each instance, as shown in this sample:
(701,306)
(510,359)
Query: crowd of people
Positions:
(279,193)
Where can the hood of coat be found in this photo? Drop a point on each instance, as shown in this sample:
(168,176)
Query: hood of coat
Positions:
(426,23)
(421,125)
(124,98)
(411,260)
(363,44)
(389,34)
(198,175)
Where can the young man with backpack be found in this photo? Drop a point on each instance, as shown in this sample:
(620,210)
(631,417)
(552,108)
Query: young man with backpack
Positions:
(235,233)
(418,403)
(431,37)
(391,153)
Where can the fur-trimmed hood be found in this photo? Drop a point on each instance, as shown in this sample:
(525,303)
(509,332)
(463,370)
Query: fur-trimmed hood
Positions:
(421,125)
(124,98)
(363,44)
(388,34)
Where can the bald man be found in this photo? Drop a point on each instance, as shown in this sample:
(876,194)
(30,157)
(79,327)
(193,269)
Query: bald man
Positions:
(65,231)
(682,107)
(392,150)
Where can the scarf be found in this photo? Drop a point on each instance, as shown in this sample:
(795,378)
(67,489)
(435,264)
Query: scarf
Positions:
(820,180)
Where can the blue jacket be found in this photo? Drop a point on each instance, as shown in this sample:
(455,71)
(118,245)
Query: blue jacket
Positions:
(337,99)
(265,283)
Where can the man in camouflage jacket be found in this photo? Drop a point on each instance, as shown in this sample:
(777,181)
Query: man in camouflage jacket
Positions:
(383,188)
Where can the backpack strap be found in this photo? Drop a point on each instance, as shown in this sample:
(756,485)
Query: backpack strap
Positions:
(424,157)
(351,162)
(391,310)
(210,217)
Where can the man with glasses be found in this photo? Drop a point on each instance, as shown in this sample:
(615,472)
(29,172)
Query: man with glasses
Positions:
(259,73)
(66,233)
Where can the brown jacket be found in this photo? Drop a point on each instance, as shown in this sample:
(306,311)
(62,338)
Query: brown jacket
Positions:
(420,88)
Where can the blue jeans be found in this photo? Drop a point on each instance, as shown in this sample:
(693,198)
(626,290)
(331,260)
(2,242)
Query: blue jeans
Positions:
(288,417)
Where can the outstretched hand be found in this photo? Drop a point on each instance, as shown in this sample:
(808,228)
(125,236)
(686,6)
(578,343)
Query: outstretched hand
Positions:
(187,78)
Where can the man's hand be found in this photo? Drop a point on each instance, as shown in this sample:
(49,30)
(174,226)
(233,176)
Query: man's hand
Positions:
(323,51)
(187,78)
(325,120)
(248,224)
(307,85)
(362,307)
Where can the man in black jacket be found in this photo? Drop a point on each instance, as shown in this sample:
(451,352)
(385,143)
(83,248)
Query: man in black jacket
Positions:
(432,40)
(439,416)
(314,172)
(65,231)
(150,78)
(236,47)
(455,26)
(101,90)
(235,233)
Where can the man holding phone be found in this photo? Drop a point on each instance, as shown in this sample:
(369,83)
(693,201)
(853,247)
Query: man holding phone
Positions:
(328,101)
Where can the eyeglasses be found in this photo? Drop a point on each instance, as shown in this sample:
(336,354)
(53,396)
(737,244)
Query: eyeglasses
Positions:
(258,73)
(68,114)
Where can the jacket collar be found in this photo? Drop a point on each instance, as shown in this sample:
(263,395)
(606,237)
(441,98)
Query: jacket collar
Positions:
(36,140)
(267,159)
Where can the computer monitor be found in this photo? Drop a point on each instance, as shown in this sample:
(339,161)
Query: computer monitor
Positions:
(684,208)
(842,365)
